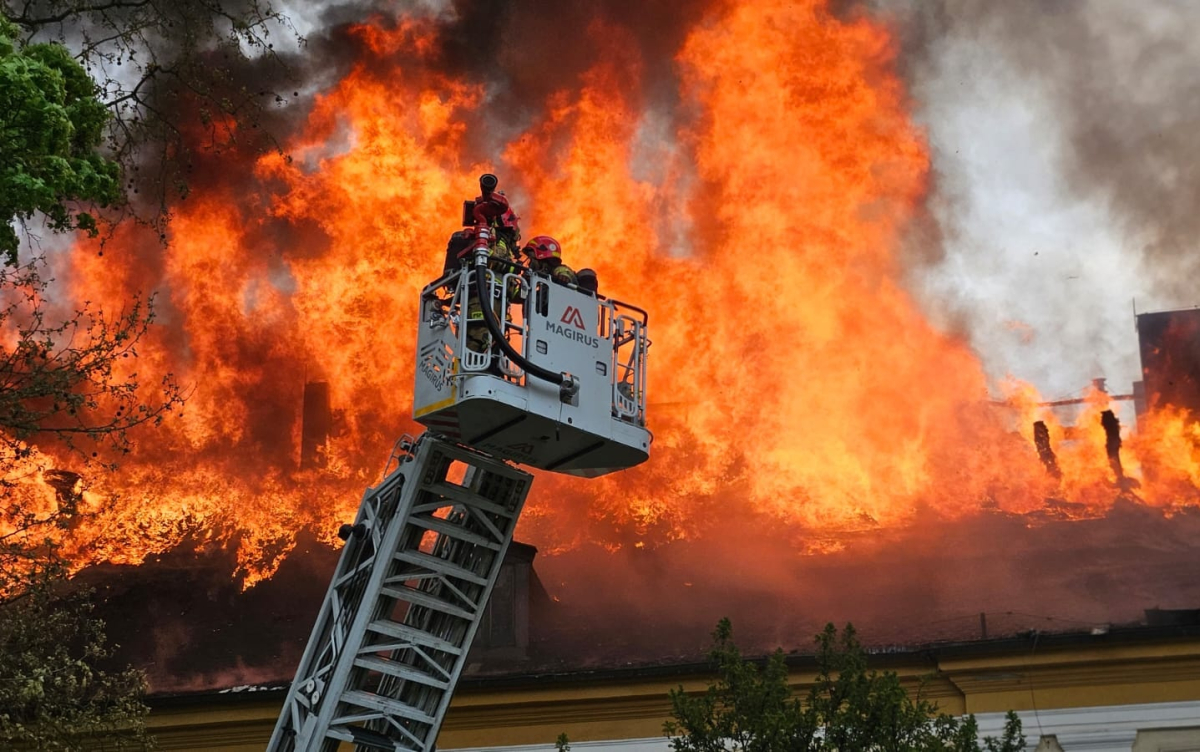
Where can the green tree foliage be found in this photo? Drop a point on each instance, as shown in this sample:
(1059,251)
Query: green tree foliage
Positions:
(751,708)
(50,127)
(177,77)
(53,695)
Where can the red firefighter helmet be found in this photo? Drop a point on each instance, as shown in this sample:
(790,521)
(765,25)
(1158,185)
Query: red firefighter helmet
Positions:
(542,248)
(510,221)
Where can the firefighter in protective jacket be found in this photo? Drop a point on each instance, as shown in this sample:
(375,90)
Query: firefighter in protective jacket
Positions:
(506,232)
(545,257)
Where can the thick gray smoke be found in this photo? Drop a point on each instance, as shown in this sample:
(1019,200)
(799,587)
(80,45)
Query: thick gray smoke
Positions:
(1067,187)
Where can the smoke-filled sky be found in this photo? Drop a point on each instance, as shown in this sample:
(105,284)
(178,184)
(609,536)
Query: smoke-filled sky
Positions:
(1064,137)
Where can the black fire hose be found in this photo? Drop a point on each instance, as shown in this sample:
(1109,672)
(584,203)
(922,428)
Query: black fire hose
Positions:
(568,385)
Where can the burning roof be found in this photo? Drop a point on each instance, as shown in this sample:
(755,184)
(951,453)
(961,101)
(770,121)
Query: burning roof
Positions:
(988,577)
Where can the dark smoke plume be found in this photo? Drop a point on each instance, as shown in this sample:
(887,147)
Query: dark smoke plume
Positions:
(522,51)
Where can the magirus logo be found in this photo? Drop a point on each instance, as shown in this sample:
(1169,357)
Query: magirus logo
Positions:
(573,317)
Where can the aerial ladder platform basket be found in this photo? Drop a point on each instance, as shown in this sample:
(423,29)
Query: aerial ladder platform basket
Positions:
(560,385)
(563,389)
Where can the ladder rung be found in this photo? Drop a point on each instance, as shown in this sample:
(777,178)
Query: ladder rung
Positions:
(364,738)
(454,531)
(400,671)
(469,498)
(417,582)
(439,565)
(421,598)
(414,636)
(385,705)
(349,733)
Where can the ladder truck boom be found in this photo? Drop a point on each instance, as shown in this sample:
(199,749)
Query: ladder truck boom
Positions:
(562,388)
(393,632)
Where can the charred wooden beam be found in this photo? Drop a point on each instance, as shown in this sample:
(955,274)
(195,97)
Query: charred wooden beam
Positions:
(1041,440)
(1112,441)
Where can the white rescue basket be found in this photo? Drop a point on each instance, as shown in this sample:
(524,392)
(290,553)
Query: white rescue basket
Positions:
(591,424)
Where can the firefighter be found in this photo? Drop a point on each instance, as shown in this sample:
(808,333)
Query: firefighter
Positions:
(587,281)
(506,233)
(457,245)
(507,230)
(545,257)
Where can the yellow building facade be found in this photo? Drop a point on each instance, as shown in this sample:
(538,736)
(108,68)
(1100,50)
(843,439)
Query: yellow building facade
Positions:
(1134,689)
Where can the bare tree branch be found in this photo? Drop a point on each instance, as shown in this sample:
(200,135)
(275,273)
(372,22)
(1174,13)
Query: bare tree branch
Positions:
(30,22)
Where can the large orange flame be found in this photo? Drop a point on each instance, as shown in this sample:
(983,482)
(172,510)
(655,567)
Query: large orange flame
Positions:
(757,214)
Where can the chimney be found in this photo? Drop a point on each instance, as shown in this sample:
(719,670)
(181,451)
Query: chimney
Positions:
(503,634)
(316,425)
(1169,344)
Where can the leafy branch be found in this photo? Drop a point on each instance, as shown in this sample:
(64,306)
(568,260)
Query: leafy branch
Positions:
(751,707)
(171,75)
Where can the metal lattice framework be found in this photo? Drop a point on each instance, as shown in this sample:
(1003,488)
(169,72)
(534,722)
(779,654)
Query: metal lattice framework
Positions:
(393,633)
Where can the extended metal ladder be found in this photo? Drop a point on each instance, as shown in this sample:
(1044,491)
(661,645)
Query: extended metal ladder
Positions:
(404,604)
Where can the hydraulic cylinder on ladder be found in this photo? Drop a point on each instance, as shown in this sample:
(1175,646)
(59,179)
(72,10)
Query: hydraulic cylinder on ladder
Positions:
(561,387)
